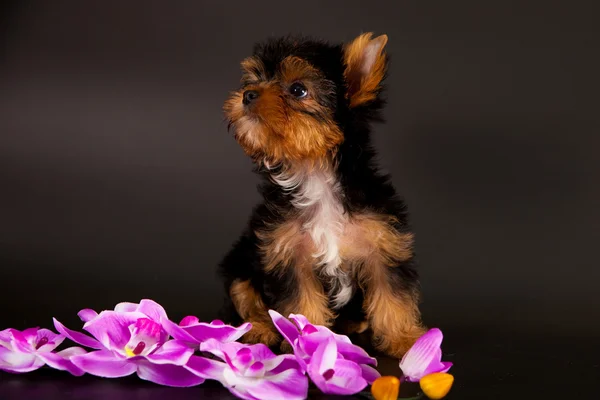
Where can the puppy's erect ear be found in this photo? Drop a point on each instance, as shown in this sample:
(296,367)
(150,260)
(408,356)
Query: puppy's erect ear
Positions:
(365,63)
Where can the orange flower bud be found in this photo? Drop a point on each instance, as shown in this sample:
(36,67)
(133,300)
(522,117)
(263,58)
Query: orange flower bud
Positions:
(436,385)
(386,388)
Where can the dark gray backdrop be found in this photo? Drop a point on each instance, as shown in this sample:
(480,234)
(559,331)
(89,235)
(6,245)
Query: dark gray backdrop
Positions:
(119,181)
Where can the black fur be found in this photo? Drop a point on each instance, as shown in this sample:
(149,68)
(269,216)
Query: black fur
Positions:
(364,187)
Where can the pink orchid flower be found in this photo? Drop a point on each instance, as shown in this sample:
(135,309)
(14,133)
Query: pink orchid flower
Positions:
(193,332)
(424,357)
(333,363)
(251,372)
(28,350)
(130,339)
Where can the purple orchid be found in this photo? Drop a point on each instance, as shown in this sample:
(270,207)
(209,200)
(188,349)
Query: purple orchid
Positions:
(130,339)
(28,350)
(424,357)
(193,332)
(251,372)
(333,363)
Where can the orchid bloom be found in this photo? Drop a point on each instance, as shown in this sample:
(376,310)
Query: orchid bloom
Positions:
(193,332)
(333,363)
(130,339)
(28,350)
(424,357)
(251,372)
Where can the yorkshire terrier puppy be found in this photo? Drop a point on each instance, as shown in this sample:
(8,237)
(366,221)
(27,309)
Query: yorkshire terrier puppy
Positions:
(331,239)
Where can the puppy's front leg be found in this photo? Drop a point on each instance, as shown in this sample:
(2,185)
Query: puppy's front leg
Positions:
(251,308)
(391,306)
(301,292)
(290,270)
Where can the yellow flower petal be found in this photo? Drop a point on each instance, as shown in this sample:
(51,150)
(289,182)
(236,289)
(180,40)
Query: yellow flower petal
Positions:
(386,388)
(437,385)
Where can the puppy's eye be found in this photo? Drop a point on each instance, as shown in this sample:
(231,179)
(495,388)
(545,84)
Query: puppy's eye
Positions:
(298,90)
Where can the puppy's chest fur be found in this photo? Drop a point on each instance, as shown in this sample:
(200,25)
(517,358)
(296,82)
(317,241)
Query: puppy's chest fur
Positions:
(318,234)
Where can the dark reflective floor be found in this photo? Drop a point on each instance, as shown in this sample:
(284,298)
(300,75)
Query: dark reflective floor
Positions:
(488,365)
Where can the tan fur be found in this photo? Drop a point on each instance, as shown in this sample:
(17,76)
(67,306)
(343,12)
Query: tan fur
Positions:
(279,245)
(393,316)
(371,244)
(311,300)
(276,129)
(363,84)
(372,234)
(253,70)
(251,308)
(286,246)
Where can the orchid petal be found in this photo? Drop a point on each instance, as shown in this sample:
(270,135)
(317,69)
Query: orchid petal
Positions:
(18,362)
(31,335)
(126,307)
(77,337)
(5,338)
(111,328)
(262,352)
(206,368)
(355,353)
(300,320)
(104,363)
(290,384)
(324,357)
(152,309)
(53,340)
(241,361)
(19,342)
(61,360)
(346,380)
(424,357)
(167,374)
(284,326)
(338,338)
(219,349)
(223,333)
(369,373)
(334,375)
(189,320)
(145,330)
(256,370)
(87,314)
(177,332)
(283,363)
(435,366)
(446,365)
(270,360)
(172,352)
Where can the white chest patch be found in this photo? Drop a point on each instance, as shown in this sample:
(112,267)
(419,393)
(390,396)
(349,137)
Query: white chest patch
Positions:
(316,196)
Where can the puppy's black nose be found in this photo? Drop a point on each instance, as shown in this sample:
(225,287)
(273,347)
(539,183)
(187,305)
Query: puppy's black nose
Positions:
(249,96)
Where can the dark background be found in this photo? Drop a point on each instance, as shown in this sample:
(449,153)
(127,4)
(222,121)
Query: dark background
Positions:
(119,181)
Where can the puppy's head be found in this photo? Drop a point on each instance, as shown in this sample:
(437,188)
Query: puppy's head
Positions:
(296,92)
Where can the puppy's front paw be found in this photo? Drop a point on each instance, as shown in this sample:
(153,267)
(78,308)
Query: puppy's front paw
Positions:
(261,333)
(397,345)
